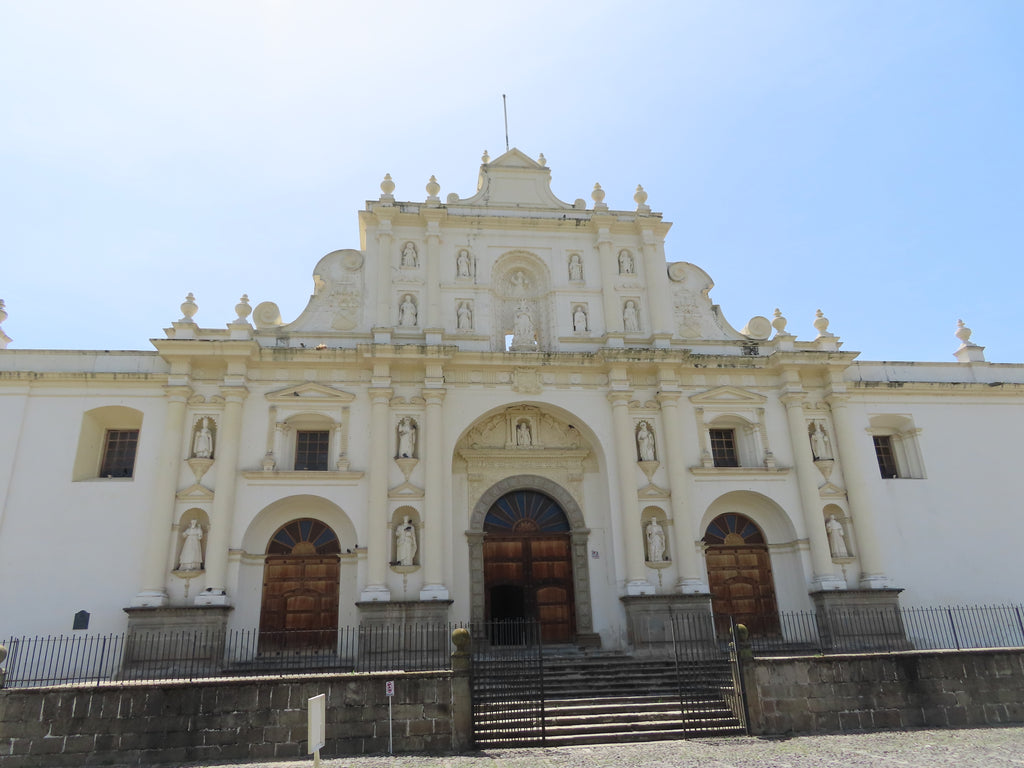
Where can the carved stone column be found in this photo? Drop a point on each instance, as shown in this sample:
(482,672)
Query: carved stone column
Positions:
(377,544)
(228,443)
(609,270)
(433,269)
(435,553)
(807,477)
(872,574)
(629,512)
(687,564)
(385,242)
(659,304)
(161,512)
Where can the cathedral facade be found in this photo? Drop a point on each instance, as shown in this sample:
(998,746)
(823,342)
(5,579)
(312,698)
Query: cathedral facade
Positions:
(499,406)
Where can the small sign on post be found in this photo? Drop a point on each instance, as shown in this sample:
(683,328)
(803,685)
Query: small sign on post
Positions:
(316,725)
(389,691)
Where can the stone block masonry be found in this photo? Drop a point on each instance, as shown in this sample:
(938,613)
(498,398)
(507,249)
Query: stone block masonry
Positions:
(908,689)
(213,720)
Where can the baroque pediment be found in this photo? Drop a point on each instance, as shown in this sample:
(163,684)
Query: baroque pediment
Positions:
(513,180)
(310,392)
(522,428)
(728,395)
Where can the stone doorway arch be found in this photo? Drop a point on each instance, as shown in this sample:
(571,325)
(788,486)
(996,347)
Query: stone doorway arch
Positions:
(577,541)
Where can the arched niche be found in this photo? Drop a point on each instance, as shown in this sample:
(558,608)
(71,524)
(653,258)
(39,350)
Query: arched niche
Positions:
(577,535)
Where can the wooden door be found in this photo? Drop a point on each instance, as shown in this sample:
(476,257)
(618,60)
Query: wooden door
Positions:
(301,579)
(740,579)
(300,601)
(530,577)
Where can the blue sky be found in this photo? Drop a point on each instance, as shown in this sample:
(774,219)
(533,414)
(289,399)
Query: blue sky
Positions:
(861,157)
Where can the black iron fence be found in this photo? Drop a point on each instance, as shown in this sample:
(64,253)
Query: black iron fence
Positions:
(866,629)
(192,654)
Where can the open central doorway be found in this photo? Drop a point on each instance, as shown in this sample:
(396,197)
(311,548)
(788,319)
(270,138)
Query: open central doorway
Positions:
(528,564)
(300,588)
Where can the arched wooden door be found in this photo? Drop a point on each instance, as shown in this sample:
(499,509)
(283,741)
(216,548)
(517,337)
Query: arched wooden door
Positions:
(740,576)
(528,564)
(300,587)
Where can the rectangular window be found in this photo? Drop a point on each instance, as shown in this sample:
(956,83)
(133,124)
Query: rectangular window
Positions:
(119,453)
(886,456)
(723,447)
(311,450)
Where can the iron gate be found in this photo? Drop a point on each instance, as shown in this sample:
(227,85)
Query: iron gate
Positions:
(507,683)
(708,678)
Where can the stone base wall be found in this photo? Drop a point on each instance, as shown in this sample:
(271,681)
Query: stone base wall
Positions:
(910,689)
(239,719)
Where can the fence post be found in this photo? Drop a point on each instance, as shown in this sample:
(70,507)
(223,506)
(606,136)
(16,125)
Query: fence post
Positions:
(462,702)
(740,653)
(952,626)
(3,670)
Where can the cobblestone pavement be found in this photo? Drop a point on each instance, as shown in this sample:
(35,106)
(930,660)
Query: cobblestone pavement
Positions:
(967,748)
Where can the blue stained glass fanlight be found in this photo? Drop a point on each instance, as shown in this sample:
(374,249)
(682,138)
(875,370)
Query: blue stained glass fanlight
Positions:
(732,523)
(318,534)
(526,512)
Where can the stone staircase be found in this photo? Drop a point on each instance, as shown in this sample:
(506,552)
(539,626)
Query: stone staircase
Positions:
(601,698)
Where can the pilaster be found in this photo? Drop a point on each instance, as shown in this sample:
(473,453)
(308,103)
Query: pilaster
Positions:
(687,566)
(228,443)
(161,512)
(377,511)
(435,555)
(629,512)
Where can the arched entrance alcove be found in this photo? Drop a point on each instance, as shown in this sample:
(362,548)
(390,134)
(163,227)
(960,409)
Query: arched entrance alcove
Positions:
(752,555)
(528,558)
(528,564)
(295,546)
(301,581)
(740,575)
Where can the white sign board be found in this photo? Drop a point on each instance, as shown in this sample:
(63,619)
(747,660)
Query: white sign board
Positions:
(389,688)
(317,723)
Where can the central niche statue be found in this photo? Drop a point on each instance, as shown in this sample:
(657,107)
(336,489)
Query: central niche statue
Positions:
(523,334)
(405,542)
(202,446)
(192,550)
(406,438)
(655,542)
(407,312)
(645,442)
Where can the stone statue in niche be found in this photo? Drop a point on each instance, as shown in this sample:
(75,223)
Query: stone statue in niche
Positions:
(645,442)
(575,267)
(465,316)
(631,317)
(821,445)
(202,445)
(410,258)
(407,312)
(407,438)
(519,283)
(626,265)
(524,436)
(655,542)
(523,334)
(836,537)
(579,319)
(405,542)
(192,550)
(463,266)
